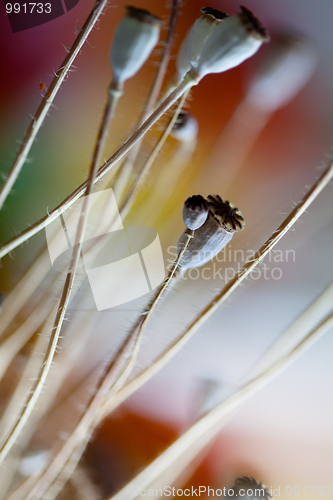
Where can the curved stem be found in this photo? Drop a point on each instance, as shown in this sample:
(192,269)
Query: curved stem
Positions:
(116,373)
(48,99)
(222,296)
(202,432)
(64,300)
(186,84)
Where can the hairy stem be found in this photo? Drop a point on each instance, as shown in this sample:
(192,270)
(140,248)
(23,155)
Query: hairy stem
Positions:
(186,84)
(48,99)
(116,373)
(189,444)
(222,296)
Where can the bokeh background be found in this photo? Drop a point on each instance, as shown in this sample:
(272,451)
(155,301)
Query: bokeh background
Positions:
(283,436)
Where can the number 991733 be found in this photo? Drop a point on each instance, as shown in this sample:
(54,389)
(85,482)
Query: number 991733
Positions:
(28,8)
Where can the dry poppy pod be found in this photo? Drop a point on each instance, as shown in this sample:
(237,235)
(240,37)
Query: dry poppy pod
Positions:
(201,30)
(185,128)
(195,212)
(289,64)
(195,38)
(224,219)
(136,36)
(233,41)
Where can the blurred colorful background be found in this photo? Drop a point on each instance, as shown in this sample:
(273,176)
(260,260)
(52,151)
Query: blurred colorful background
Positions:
(283,436)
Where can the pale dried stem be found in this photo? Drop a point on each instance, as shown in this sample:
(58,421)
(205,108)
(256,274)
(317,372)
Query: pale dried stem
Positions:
(203,431)
(221,297)
(117,372)
(23,291)
(23,386)
(186,84)
(64,300)
(16,339)
(12,344)
(47,101)
(130,198)
(114,377)
(65,360)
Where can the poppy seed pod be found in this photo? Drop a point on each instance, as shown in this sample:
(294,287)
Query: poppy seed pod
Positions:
(195,38)
(233,41)
(289,65)
(224,219)
(195,212)
(201,30)
(185,128)
(135,37)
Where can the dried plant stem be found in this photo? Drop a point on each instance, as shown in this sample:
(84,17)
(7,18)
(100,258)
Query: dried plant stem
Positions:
(142,323)
(48,99)
(246,270)
(26,288)
(199,435)
(221,297)
(116,373)
(12,345)
(23,386)
(16,339)
(23,291)
(64,300)
(70,453)
(126,169)
(160,74)
(185,85)
(131,196)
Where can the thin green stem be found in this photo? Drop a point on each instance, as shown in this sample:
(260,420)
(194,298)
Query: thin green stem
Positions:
(64,300)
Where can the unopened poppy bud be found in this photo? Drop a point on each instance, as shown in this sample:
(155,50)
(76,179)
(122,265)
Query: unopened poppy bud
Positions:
(233,41)
(136,36)
(195,212)
(224,219)
(185,128)
(287,68)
